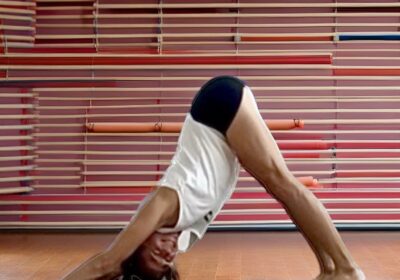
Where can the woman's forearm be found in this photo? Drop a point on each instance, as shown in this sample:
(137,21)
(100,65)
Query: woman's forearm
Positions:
(93,268)
(157,213)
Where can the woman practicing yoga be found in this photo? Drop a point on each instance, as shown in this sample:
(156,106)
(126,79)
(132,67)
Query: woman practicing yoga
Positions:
(223,128)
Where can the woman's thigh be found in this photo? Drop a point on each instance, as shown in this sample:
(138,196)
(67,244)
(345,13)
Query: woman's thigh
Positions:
(250,138)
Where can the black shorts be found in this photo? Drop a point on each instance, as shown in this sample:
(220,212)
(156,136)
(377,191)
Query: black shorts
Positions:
(217,102)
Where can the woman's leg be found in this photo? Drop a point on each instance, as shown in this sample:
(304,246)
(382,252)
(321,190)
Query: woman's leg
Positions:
(258,153)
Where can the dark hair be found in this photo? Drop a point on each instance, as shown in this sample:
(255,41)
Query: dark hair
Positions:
(133,270)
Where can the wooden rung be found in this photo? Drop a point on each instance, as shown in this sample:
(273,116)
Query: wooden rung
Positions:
(58,186)
(15,190)
(354,121)
(363,58)
(59,125)
(17,95)
(223,15)
(180,35)
(288,221)
(7,138)
(294,132)
(17,148)
(14,3)
(23,18)
(67,17)
(288,161)
(16,28)
(64,1)
(16,179)
(16,106)
(55,152)
(80,225)
(57,169)
(47,160)
(117,201)
(344,161)
(216,25)
(65,8)
(363,72)
(99,201)
(194,89)
(339,131)
(106,143)
(20,38)
(12,44)
(167,162)
(374,180)
(245,5)
(17,168)
(121,225)
(187,105)
(50,108)
(286,153)
(17,127)
(17,117)
(56,177)
(307,181)
(17,158)
(223,212)
(255,78)
(312,145)
(16,11)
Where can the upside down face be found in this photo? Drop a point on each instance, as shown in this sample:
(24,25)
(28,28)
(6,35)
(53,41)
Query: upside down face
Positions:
(154,258)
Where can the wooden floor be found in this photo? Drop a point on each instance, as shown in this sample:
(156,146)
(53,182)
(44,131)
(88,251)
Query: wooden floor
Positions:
(222,256)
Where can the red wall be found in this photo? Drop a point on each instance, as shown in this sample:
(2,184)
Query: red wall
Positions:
(67,63)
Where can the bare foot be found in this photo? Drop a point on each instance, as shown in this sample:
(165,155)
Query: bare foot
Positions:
(355,274)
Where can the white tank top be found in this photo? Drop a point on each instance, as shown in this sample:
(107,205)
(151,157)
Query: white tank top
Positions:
(204,172)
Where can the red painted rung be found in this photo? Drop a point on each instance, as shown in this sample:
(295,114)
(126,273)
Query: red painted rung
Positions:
(301,155)
(119,190)
(175,127)
(133,50)
(317,59)
(317,145)
(285,38)
(51,50)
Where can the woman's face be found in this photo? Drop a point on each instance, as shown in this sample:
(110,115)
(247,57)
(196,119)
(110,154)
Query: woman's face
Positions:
(158,253)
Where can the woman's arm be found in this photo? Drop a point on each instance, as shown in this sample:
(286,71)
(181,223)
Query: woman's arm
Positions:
(161,210)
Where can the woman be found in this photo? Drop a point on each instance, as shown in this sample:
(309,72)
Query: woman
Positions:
(223,127)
